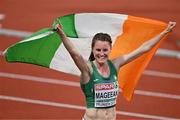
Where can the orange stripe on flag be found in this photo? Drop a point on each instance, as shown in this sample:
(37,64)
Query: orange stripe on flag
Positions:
(135,32)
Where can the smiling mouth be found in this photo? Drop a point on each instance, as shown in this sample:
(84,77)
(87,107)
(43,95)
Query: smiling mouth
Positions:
(102,57)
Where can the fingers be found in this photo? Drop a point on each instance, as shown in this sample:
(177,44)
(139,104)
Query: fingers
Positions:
(172,24)
(58,21)
(59,24)
(58,28)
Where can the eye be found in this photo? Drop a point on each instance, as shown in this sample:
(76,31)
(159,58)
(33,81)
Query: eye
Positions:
(105,50)
(98,49)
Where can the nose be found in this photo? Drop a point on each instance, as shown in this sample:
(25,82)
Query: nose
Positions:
(101,53)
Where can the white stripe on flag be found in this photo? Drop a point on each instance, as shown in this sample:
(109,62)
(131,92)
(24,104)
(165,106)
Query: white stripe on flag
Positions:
(88,24)
(62,56)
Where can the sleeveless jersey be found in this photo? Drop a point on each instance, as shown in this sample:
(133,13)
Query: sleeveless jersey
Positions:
(101,92)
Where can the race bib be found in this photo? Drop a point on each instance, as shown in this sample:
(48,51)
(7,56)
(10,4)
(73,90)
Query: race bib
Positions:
(106,94)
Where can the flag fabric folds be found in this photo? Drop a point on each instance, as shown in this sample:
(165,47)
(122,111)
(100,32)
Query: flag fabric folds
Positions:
(128,33)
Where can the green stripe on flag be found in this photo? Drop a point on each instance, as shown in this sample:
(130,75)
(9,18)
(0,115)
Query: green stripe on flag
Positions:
(38,51)
(68,24)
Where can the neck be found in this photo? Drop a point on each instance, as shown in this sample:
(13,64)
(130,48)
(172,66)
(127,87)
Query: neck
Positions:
(101,65)
(103,68)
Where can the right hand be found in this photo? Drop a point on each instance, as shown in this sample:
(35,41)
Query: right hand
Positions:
(59,28)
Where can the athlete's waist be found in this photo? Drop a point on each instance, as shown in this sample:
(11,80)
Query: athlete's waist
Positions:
(100,113)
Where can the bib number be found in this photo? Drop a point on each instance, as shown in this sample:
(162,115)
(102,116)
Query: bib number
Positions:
(106,94)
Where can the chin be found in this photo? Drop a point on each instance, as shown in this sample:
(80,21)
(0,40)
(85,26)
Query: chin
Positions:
(101,61)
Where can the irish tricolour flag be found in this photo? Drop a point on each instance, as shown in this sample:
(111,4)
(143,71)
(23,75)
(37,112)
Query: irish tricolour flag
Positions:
(128,32)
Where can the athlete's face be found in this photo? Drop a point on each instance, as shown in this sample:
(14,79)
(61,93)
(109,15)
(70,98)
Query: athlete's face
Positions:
(101,51)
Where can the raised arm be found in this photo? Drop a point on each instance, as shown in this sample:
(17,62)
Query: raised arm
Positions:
(80,62)
(145,47)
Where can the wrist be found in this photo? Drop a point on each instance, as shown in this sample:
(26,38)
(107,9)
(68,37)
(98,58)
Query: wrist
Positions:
(164,32)
(62,34)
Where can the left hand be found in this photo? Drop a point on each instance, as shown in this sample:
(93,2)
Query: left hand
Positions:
(170,26)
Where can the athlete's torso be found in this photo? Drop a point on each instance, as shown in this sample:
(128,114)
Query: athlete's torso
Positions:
(101,93)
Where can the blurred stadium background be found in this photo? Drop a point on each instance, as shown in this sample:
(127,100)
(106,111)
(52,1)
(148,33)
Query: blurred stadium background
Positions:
(33,92)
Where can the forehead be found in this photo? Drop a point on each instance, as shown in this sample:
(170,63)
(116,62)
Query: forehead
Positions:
(99,43)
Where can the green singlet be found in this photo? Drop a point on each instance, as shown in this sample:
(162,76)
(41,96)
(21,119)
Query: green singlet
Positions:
(101,92)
